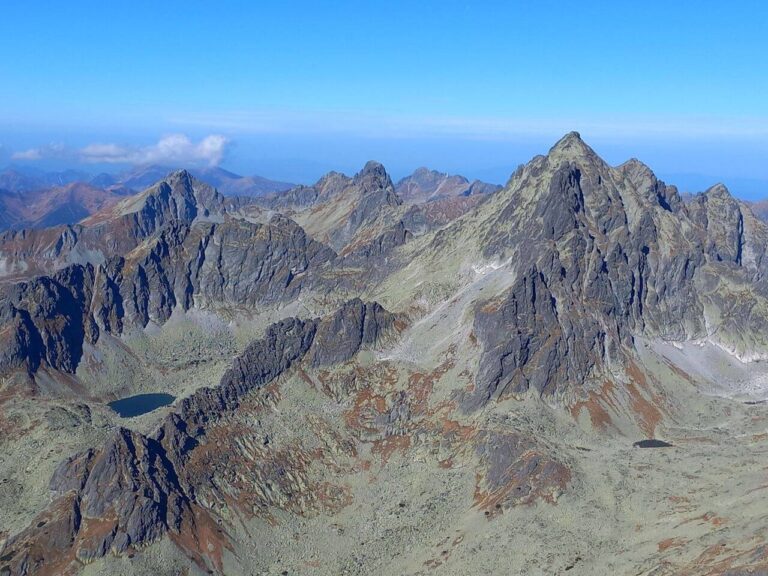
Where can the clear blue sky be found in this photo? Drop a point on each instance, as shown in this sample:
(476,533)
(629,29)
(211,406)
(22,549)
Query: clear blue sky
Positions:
(298,88)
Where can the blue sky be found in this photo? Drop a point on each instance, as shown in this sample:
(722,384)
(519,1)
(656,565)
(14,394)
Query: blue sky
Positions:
(293,89)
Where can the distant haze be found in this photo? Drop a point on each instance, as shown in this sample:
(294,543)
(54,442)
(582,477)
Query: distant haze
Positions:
(292,90)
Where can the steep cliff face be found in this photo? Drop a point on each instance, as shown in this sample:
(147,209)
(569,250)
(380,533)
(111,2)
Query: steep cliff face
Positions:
(46,322)
(602,255)
(234,264)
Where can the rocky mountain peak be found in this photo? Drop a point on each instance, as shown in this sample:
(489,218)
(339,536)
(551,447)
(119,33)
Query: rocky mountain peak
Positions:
(373,167)
(373,176)
(373,181)
(424,172)
(181,176)
(636,170)
(572,148)
(720,192)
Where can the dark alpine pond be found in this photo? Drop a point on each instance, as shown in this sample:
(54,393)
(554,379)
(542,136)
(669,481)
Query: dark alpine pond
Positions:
(140,404)
(652,443)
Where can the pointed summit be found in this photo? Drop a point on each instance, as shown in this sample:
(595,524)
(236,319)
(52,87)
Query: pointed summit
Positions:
(638,173)
(373,179)
(719,191)
(181,174)
(180,179)
(571,146)
(372,167)
(572,136)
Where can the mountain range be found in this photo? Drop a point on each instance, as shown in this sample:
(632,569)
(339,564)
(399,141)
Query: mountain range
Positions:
(433,376)
(37,199)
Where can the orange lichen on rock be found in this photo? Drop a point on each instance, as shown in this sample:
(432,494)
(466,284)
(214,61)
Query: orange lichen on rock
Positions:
(202,539)
(647,411)
(514,472)
(595,406)
(668,543)
(389,445)
(367,405)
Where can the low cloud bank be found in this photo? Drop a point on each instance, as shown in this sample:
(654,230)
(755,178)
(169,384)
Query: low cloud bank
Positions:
(176,149)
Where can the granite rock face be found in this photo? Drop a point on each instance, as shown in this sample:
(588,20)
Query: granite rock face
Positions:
(604,254)
(356,324)
(528,345)
(45,321)
(233,263)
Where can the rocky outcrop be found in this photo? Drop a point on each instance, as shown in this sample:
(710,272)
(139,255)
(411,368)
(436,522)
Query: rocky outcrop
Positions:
(179,200)
(45,321)
(603,254)
(136,488)
(375,251)
(341,211)
(232,264)
(516,471)
(130,484)
(356,324)
(528,345)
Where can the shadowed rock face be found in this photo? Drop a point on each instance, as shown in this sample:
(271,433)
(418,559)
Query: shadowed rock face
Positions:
(527,345)
(46,321)
(341,336)
(234,263)
(603,254)
(377,249)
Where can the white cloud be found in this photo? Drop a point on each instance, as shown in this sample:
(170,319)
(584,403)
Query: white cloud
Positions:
(31,154)
(173,149)
(50,151)
(177,149)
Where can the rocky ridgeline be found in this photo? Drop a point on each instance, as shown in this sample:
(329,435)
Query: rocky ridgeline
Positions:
(233,263)
(424,186)
(605,254)
(135,488)
(179,200)
(601,255)
(174,246)
(598,256)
